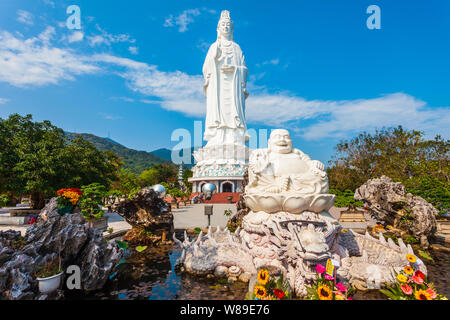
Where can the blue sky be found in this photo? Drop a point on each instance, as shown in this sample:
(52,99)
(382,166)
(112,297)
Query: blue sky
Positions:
(133,71)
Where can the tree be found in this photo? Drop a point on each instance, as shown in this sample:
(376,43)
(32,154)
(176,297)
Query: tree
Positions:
(186,175)
(126,183)
(405,156)
(157,174)
(37,159)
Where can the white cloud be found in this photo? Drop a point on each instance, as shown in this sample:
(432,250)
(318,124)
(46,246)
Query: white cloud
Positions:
(32,61)
(349,117)
(203,45)
(109,116)
(25,17)
(182,20)
(123,99)
(133,50)
(50,3)
(3,100)
(76,36)
(108,38)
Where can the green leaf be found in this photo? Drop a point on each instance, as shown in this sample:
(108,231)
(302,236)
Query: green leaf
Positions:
(122,244)
(141,248)
(425,255)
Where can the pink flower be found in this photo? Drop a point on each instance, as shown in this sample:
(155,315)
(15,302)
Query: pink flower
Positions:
(432,293)
(417,279)
(350,298)
(406,289)
(341,287)
(320,268)
(328,277)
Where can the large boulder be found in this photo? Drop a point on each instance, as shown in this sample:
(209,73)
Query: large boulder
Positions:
(390,203)
(52,236)
(148,211)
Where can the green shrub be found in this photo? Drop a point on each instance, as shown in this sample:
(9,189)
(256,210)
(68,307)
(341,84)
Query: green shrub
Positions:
(92,200)
(4,199)
(345,198)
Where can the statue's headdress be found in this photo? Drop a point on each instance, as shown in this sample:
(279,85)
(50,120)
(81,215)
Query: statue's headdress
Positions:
(225,16)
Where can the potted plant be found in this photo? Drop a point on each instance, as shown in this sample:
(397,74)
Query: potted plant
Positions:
(49,276)
(91,206)
(67,200)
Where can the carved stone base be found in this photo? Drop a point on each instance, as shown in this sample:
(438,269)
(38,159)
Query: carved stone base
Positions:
(295,244)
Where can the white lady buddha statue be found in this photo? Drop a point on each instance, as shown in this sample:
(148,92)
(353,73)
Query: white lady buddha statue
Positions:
(225,76)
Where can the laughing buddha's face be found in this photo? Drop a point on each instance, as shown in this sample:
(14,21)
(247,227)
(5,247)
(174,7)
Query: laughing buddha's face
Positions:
(280,141)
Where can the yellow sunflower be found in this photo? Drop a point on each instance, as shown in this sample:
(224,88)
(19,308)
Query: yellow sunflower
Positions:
(422,295)
(263,276)
(408,270)
(260,292)
(411,258)
(402,278)
(324,293)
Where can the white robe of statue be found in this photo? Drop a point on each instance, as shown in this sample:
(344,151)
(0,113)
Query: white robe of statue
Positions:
(225,76)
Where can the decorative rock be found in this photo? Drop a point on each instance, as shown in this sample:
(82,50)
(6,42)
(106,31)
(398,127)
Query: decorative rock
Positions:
(388,199)
(147,210)
(245,277)
(67,236)
(221,271)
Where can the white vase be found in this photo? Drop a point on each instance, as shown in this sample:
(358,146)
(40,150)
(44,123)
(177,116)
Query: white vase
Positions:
(49,284)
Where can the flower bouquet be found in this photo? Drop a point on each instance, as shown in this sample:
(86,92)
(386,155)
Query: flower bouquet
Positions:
(326,287)
(67,200)
(412,284)
(268,288)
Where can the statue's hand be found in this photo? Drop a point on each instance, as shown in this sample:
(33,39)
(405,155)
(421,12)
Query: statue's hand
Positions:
(317,164)
(227,68)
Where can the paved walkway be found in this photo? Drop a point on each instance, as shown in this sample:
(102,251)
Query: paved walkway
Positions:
(193,216)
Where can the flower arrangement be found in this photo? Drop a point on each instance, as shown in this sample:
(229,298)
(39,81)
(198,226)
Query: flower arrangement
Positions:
(268,288)
(67,199)
(326,287)
(412,284)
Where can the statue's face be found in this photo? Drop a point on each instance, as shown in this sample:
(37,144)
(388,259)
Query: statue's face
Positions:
(280,141)
(225,27)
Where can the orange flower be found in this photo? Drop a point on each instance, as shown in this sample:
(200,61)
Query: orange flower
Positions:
(408,270)
(411,258)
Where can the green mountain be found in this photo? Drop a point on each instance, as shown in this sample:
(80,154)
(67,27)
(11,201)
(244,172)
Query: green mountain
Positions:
(167,154)
(137,161)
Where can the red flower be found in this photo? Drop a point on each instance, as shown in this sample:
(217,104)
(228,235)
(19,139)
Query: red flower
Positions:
(420,274)
(406,289)
(418,277)
(279,293)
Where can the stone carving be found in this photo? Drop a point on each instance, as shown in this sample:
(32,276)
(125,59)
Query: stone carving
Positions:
(389,202)
(225,85)
(285,179)
(68,236)
(288,227)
